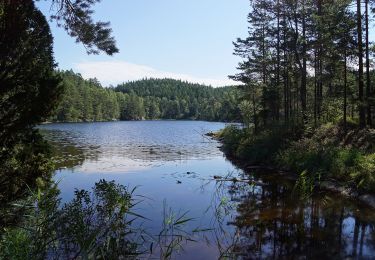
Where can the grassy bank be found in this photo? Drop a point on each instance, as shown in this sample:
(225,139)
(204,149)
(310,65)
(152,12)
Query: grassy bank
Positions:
(315,155)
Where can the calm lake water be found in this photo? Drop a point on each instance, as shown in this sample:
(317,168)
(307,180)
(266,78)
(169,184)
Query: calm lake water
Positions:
(173,165)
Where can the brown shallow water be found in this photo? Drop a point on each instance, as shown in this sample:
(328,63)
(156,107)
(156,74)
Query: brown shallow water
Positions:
(173,164)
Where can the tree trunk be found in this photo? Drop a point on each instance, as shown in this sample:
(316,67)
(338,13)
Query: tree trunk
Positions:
(345,90)
(304,70)
(362,112)
(315,88)
(368,82)
(278,60)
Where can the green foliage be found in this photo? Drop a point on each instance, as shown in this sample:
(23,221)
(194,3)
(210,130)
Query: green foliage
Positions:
(322,154)
(100,224)
(29,91)
(261,148)
(172,237)
(75,16)
(29,87)
(175,99)
(231,137)
(25,167)
(93,225)
(364,174)
(86,101)
(253,148)
(296,63)
(305,183)
(15,245)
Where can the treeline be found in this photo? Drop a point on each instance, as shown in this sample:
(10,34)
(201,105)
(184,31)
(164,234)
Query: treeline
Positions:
(86,100)
(308,89)
(175,99)
(307,62)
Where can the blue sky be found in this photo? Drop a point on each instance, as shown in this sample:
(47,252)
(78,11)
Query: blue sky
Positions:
(186,39)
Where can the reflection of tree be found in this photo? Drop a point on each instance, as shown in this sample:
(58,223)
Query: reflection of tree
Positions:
(69,155)
(222,211)
(72,148)
(272,222)
(66,152)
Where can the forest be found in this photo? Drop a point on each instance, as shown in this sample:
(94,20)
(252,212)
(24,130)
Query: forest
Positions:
(308,81)
(305,100)
(307,62)
(87,101)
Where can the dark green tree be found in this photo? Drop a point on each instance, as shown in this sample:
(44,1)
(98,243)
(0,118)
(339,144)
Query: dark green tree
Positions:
(29,90)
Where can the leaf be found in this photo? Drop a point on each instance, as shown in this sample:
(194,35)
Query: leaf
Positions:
(183,221)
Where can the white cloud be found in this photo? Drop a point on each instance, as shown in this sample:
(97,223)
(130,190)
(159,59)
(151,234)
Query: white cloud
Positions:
(116,72)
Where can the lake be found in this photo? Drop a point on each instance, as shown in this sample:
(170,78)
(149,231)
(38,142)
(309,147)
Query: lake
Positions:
(175,168)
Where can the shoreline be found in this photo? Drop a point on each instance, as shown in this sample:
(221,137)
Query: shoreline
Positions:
(332,185)
(140,120)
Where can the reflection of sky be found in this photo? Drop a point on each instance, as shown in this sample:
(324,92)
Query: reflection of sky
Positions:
(172,161)
(159,183)
(127,146)
(165,160)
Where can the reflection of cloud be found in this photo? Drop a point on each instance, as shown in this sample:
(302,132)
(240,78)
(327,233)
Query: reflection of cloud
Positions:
(116,72)
(112,165)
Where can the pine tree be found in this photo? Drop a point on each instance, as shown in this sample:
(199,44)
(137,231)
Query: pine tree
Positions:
(29,89)
(362,112)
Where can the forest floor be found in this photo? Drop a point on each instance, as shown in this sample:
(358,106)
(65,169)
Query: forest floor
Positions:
(323,158)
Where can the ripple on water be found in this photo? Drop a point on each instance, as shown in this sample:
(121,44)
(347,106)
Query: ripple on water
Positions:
(261,217)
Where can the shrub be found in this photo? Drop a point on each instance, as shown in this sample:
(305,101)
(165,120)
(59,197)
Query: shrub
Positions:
(93,225)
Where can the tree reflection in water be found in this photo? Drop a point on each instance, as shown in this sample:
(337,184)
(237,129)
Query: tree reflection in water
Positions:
(268,219)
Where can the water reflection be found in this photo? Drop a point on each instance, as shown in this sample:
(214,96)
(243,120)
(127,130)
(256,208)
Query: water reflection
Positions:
(249,217)
(272,222)
(129,146)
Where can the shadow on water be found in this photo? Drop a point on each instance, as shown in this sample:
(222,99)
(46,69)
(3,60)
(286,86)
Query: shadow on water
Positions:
(242,215)
(67,152)
(272,221)
(146,141)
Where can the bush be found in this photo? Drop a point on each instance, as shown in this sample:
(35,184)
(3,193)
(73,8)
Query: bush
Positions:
(94,225)
(231,137)
(321,153)
(24,167)
(259,148)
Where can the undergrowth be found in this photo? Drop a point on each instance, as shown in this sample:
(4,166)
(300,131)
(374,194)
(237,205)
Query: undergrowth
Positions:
(316,154)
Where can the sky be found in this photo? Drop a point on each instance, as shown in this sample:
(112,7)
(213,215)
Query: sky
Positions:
(182,39)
